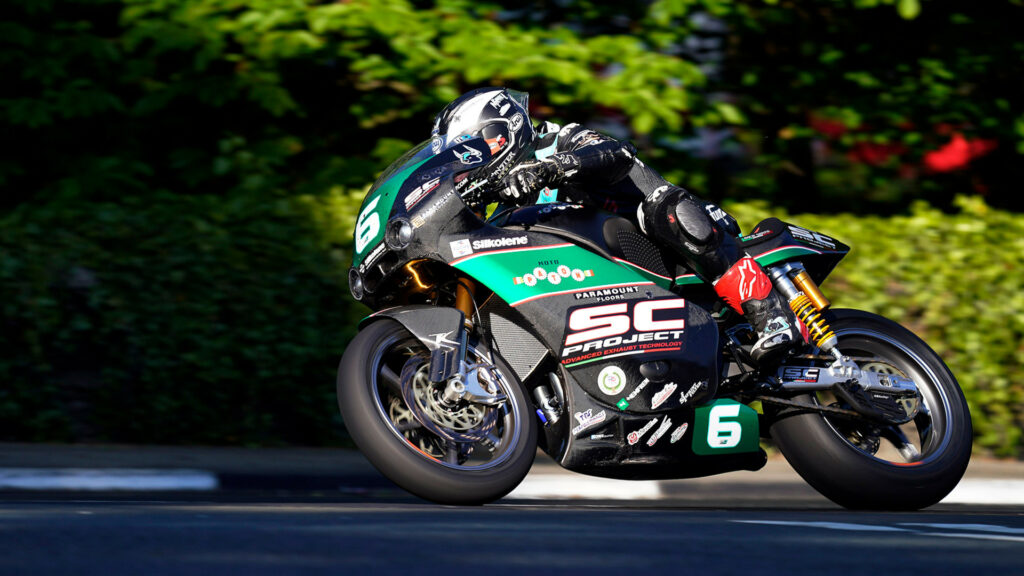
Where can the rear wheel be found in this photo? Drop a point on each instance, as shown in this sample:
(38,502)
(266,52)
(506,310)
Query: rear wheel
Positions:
(461,453)
(858,464)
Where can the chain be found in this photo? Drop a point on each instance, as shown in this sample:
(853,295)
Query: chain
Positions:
(809,406)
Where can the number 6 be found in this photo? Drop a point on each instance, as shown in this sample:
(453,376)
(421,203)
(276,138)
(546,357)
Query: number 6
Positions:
(367,226)
(724,434)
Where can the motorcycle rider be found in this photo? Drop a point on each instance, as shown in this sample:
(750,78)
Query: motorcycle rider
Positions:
(574,164)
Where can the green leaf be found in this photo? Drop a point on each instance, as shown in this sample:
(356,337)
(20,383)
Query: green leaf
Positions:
(730,114)
(908,9)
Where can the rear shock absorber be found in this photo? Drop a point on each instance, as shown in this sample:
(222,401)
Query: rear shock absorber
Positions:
(807,303)
(820,333)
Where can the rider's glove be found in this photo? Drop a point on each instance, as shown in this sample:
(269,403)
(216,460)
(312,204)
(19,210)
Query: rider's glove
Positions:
(524,182)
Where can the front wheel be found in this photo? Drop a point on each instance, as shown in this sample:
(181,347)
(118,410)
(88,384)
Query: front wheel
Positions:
(461,453)
(858,464)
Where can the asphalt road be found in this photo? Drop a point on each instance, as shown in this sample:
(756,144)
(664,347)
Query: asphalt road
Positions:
(387,532)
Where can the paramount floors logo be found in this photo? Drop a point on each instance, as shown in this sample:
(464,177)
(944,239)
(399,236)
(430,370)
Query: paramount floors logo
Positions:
(606,292)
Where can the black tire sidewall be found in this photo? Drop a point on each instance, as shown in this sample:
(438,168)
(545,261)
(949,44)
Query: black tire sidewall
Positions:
(853,479)
(396,459)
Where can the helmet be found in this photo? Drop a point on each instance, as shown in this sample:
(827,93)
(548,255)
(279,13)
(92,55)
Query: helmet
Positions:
(499,116)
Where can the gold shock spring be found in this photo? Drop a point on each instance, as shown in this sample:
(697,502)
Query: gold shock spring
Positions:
(821,335)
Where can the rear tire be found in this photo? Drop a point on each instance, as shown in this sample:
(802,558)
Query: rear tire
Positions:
(834,457)
(413,457)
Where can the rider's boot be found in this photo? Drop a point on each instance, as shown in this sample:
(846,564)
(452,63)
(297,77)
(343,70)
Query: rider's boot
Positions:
(747,289)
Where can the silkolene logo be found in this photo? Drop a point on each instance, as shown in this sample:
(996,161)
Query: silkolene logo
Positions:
(624,328)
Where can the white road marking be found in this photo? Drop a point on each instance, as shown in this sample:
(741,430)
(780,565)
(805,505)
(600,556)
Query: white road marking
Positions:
(974,527)
(975,536)
(828,525)
(113,479)
(1000,531)
(987,492)
(559,486)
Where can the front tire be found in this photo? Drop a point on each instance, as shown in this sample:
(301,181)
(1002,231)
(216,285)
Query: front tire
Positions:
(385,360)
(847,462)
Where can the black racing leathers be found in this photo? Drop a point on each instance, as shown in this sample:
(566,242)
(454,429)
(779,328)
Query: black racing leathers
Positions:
(573,157)
(574,164)
(580,165)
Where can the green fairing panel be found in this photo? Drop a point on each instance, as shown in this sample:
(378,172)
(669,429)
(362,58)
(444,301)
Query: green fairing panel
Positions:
(725,427)
(787,253)
(515,275)
(375,210)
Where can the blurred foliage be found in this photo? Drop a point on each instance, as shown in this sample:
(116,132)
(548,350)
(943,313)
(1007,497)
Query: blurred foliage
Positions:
(175,319)
(179,176)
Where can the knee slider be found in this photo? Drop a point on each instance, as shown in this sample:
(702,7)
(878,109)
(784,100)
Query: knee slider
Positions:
(693,221)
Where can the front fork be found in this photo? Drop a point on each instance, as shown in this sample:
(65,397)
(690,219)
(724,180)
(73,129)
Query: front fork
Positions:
(472,382)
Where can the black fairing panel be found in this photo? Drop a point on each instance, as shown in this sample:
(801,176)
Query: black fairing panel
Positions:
(688,377)
(774,241)
(604,233)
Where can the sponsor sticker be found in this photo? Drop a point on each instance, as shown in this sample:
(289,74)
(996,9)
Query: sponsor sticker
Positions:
(421,218)
(460,248)
(607,293)
(541,274)
(421,191)
(601,436)
(622,404)
(468,155)
(794,374)
(716,213)
(639,388)
(611,380)
(662,428)
(588,419)
(635,436)
(678,433)
(491,243)
(623,328)
(372,257)
(687,395)
(516,122)
(755,235)
(662,395)
(813,237)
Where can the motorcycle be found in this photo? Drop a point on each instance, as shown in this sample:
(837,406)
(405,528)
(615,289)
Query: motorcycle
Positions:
(562,327)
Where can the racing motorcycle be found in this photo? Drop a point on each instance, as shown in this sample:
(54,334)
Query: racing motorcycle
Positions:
(561,326)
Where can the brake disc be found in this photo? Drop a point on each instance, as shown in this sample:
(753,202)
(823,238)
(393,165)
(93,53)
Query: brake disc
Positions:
(402,417)
(463,422)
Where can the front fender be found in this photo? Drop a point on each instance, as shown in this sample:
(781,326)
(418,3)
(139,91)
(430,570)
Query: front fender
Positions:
(441,330)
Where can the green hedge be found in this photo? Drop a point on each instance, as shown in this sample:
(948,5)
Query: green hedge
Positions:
(194,319)
(175,319)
